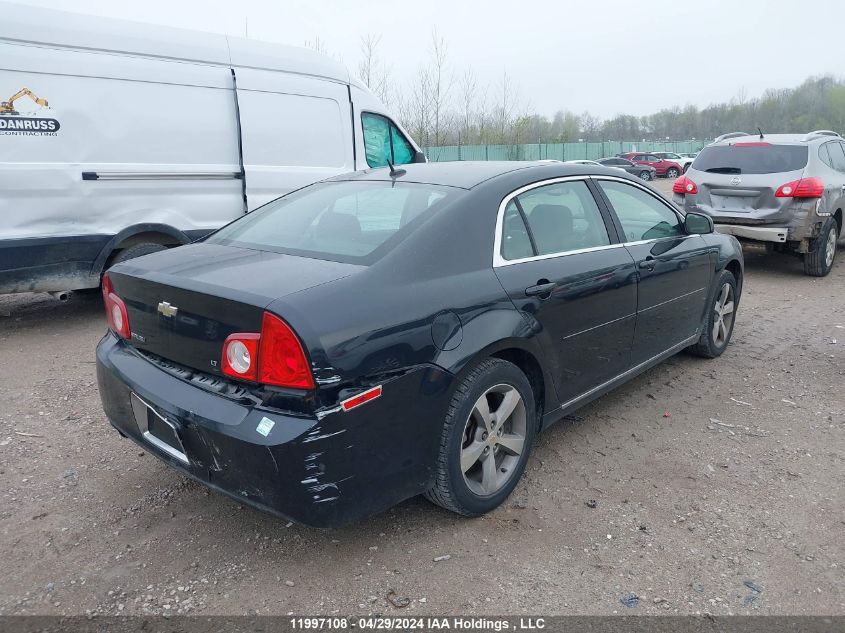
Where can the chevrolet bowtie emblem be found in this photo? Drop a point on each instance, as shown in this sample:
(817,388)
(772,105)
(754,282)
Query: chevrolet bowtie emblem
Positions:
(165,309)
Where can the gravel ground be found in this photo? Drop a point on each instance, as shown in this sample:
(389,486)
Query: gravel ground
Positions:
(701,486)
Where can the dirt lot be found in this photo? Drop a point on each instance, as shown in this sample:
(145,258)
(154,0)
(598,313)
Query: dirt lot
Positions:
(701,486)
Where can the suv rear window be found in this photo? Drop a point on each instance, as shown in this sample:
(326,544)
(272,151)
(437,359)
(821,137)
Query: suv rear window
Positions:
(751,159)
(348,221)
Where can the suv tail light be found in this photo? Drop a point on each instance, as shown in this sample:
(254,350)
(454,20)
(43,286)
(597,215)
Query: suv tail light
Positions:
(684,185)
(273,357)
(116,314)
(804,188)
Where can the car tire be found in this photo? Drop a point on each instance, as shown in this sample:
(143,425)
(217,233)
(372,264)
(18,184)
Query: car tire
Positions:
(474,474)
(672,173)
(686,167)
(645,175)
(719,323)
(144,248)
(819,261)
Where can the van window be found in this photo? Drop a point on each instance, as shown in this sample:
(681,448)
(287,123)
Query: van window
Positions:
(384,143)
(756,158)
(347,221)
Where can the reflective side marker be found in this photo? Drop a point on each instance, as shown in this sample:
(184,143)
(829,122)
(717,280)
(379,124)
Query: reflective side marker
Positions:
(361,398)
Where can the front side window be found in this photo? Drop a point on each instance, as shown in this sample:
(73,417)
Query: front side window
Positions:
(642,216)
(560,217)
(349,221)
(384,143)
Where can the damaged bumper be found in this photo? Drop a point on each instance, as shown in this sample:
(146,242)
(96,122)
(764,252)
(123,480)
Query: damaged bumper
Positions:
(322,471)
(776,234)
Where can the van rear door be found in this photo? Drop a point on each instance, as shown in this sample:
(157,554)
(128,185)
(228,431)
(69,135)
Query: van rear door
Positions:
(295,130)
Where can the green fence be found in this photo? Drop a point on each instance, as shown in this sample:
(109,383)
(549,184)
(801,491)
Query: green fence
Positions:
(556,151)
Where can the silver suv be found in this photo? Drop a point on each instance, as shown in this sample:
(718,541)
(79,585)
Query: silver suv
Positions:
(785,190)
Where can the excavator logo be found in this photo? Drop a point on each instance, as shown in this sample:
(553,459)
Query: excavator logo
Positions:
(25,125)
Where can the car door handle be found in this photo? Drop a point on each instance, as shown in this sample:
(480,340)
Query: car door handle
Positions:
(543,287)
(648,263)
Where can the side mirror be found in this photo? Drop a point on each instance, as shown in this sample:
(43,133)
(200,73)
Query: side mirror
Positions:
(698,224)
(419,157)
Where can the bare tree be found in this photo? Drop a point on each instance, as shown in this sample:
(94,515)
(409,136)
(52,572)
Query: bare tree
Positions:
(371,70)
(318,45)
(505,109)
(440,83)
(469,89)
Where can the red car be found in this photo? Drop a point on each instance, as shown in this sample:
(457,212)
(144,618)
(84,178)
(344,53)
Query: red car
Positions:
(663,167)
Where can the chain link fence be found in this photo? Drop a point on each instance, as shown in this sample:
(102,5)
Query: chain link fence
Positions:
(556,151)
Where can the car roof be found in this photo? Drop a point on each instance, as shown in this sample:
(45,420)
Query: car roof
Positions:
(468,174)
(777,139)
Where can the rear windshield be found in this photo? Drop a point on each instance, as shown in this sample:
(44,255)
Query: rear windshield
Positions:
(751,159)
(355,222)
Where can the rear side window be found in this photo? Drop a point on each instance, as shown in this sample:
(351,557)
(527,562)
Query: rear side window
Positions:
(834,154)
(515,241)
(751,159)
(561,217)
(355,222)
(383,142)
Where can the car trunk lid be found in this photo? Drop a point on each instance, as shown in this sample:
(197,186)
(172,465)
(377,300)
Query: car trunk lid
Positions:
(183,303)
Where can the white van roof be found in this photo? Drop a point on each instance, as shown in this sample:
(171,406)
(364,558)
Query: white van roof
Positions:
(24,24)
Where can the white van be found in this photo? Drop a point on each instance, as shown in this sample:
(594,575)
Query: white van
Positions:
(118,138)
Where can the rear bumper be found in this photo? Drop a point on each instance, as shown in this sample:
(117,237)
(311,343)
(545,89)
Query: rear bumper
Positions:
(320,472)
(776,234)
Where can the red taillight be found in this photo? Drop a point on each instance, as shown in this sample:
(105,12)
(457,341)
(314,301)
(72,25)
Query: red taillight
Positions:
(684,186)
(273,357)
(804,188)
(116,314)
(240,355)
(281,358)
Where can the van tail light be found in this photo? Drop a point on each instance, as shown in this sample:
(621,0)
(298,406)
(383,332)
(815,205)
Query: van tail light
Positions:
(804,188)
(116,314)
(274,356)
(684,186)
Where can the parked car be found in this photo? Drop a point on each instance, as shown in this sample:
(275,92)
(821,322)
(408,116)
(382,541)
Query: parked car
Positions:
(582,161)
(682,160)
(783,190)
(662,167)
(689,154)
(389,333)
(120,138)
(644,172)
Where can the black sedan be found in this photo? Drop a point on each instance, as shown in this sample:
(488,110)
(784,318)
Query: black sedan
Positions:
(643,172)
(390,333)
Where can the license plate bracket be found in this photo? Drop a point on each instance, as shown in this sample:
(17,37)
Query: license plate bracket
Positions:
(157,430)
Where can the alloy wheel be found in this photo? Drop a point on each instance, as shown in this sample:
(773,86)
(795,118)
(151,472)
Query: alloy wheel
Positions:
(723,315)
(494,439)
(830,247)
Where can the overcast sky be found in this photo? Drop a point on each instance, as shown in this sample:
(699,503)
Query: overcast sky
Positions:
(605,56)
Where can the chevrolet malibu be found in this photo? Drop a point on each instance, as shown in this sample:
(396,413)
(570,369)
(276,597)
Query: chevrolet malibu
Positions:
(398,332)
